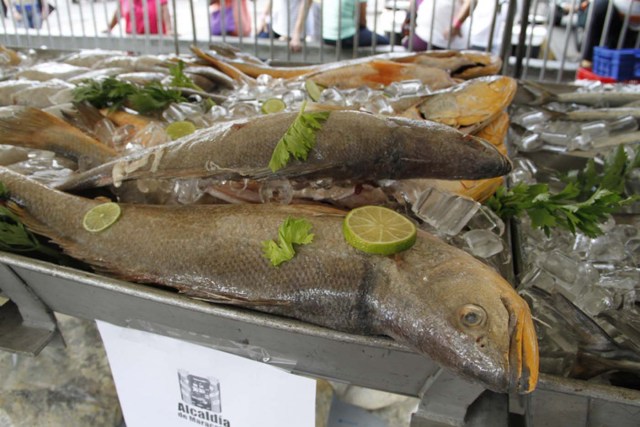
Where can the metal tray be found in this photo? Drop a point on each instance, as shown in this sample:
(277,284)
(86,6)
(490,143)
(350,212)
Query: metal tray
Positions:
(36,288)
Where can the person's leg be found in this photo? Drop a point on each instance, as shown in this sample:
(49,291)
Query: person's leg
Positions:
(418,45)
(365,38)
(594,32)
(344,43)
(36,19)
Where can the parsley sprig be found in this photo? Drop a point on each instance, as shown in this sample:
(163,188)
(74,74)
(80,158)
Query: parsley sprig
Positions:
(113,93)
(585,202)
(179,79)
(14,236)
(299,139)
(291,231)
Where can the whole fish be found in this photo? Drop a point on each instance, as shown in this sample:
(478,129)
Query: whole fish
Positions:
(466,64)
(378,74)
(51,70)
(433,297)
(349,146)
(373,73)
(531,93)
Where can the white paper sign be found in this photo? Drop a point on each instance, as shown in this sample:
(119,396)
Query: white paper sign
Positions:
(163,381)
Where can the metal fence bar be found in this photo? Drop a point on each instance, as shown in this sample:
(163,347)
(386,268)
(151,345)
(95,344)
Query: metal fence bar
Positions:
(95,23)
(566,41)
(607,24)
(505,49)
(80,26)
(321,30)
(625,26)
(530,43)
(193,23)
(433,21)
(547,47)
(524,24)
(412,25)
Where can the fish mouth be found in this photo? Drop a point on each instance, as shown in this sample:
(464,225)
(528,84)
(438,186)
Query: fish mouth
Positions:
(523,355)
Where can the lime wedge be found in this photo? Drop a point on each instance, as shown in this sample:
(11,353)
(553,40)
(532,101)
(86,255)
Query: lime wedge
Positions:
(313,89)
(273,105)
(177,130)
(378,230)
(101,217)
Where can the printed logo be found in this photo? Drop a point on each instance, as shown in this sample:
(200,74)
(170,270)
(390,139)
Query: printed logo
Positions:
(201,402)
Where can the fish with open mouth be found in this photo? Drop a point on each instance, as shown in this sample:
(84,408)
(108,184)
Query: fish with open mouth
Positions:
(350,145)
(433,298)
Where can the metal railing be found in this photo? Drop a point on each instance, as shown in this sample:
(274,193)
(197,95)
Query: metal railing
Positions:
(537,39)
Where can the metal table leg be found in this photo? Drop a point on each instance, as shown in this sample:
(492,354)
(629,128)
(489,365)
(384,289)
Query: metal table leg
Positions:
(26,324)
(445,402)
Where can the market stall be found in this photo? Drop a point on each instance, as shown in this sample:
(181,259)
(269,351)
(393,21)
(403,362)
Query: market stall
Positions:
(581,293)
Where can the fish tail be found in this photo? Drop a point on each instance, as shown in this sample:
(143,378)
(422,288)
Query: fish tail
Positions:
(33,128)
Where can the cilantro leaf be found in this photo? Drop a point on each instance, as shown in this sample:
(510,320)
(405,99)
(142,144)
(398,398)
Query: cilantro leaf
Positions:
(109,92)
(586,200)
(291,231)
(113,93)
(153,97)
(299,139)
(179,79)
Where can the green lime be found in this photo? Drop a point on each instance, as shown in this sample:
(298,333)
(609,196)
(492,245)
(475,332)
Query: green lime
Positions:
(101,217)
(177,130)
(273,105)
(313,89)
(378,230)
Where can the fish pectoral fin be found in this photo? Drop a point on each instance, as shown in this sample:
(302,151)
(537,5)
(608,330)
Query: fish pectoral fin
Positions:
(225,298)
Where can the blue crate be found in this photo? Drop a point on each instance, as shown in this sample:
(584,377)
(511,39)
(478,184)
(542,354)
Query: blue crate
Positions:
(619,64)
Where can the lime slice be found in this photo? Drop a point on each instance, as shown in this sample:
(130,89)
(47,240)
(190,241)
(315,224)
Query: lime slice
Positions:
(378,230)
(273,105)
(101,217)
(177,130)
(313,89)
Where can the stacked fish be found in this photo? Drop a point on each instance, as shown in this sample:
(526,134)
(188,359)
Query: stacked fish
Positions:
(433,297)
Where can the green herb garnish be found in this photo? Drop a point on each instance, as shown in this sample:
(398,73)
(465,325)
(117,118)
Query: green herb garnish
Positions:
(299,139)
(113,93)
(153,96)
(292,231)
(179,79)
(14,237)
(586,200)
(110,92)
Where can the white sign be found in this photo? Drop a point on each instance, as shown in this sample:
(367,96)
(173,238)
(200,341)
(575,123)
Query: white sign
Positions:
(163,381)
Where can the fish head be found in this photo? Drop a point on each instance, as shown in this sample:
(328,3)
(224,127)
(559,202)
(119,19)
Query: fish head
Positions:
(465,316)
(428,148)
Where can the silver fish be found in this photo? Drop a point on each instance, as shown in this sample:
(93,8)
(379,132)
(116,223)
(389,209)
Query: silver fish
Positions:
(350,146)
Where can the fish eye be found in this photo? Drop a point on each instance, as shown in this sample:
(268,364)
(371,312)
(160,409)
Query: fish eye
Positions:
(472,316)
